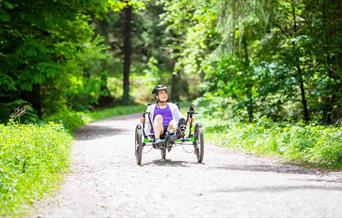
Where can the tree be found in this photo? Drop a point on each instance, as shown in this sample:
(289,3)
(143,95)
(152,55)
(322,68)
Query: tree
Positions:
(270,57)
(127,51)
(46,48)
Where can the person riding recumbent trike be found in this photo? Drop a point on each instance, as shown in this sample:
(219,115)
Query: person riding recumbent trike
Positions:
(194,137)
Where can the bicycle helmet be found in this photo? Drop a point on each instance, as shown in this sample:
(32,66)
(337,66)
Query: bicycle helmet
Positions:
(158,88)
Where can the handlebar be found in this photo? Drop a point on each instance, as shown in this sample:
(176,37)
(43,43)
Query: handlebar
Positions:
(190,113)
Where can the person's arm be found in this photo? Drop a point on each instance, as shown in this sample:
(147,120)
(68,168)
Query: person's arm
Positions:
(142,119)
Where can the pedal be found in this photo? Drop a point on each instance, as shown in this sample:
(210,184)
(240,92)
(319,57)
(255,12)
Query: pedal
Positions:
(160,143)
(172,137)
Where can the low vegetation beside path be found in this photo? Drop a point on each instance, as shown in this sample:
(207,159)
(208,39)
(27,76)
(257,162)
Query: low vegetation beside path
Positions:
(316,145)
(73,120)
(33,156)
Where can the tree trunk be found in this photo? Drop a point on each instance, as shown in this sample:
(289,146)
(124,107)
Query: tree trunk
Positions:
(249,85)
(299,70)
(127,52)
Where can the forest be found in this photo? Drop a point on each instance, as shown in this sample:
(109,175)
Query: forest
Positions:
(281,59)
(252,68)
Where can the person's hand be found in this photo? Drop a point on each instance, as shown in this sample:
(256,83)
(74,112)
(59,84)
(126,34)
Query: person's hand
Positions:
(142,120)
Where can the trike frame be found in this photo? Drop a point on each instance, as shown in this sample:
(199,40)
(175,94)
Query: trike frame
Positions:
(144,139)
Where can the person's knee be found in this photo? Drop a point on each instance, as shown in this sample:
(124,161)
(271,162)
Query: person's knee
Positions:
(158,118)
(172,125)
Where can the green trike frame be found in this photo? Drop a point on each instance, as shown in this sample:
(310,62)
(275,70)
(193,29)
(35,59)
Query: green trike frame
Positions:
(195,139)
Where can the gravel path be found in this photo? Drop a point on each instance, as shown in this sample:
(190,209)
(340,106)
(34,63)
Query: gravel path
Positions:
(104,181)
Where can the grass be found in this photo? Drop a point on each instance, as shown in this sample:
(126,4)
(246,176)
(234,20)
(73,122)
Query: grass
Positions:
(34,156)
(311,144)
(119,110)
(73,120)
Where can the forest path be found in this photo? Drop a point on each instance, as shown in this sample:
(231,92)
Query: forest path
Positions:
(104,181)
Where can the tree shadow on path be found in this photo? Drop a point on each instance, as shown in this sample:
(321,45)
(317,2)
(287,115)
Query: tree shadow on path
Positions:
(169,163)
(280,188)
(97,131)
(288,169)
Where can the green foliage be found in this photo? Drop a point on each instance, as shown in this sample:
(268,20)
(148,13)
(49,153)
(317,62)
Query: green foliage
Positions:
(269,57)
(33,156)
(72,120)
(116,111)
(313,144)
(50,54)
(191,37)
(18,111)
(31,160)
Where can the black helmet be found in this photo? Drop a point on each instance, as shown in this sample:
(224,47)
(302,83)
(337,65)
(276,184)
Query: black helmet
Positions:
(158,88)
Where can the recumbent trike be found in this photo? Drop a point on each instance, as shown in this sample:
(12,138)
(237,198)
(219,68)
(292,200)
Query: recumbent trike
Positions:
(193,138)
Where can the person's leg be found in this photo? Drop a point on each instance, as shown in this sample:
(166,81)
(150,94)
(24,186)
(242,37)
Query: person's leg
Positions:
(172,127)
(172,131)
(158,126)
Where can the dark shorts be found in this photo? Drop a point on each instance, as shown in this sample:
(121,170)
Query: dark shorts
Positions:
(165,130)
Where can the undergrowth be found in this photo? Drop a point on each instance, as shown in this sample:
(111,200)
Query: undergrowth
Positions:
(73,120)
(316,145)
(33,156)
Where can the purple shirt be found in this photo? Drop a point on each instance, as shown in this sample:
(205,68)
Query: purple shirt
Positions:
(165,113)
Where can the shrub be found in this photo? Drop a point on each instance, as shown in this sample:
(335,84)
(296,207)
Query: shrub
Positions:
(116,111)
(313,144)
(21,111)
(71,120)
(32,156)
(31,160)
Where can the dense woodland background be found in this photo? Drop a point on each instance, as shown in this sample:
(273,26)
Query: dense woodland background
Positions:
(265,76)
(279,58)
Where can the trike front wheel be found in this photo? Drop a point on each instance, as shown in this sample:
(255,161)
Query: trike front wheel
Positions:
(138,143)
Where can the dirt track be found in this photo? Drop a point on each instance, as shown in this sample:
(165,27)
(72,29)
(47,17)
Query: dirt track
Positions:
(105,181)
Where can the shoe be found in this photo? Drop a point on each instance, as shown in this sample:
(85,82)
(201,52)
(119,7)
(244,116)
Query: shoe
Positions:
(159,142)
(181,127)
(172,137)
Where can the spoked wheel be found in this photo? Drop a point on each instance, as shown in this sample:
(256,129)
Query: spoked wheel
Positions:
(138,143)
(163,153)
(199,143)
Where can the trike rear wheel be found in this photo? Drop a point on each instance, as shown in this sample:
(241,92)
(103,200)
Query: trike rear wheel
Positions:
(199,143)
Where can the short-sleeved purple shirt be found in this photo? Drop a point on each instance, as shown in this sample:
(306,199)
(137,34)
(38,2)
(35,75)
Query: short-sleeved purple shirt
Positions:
(165,113)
